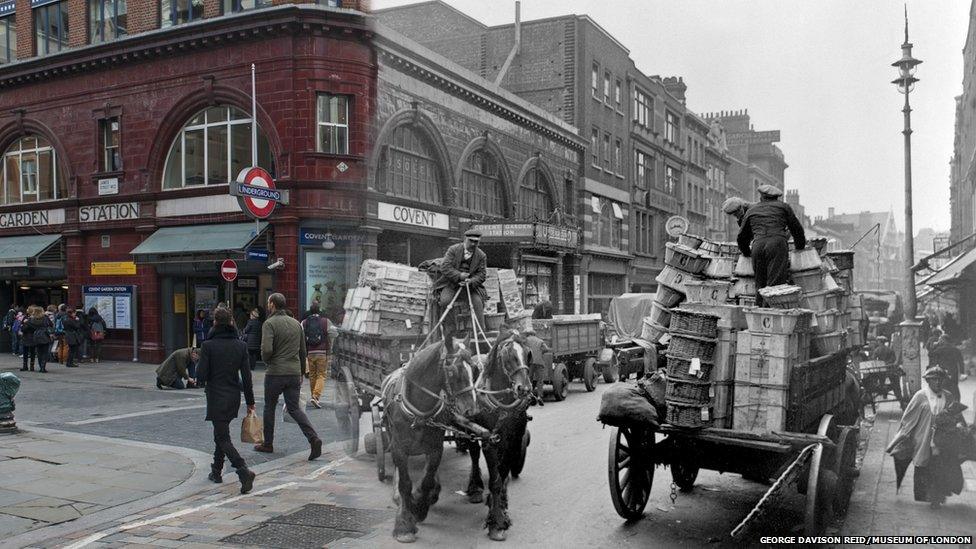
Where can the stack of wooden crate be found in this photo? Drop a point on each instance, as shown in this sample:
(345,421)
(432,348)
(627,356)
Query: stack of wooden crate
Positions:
(391,299)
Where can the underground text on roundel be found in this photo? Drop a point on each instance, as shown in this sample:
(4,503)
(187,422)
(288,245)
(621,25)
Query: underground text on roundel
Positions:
(870,540)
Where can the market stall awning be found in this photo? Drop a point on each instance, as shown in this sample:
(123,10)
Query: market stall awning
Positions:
(953,271)
(21,251)
(195,243)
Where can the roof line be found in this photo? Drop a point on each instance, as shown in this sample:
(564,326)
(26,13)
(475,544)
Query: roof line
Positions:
(428,2)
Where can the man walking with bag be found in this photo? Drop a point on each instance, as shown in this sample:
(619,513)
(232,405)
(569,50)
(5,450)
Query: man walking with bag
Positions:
(319,332)
(283,349)
(226,370)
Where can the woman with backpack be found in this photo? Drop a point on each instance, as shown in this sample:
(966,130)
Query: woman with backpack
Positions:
(38,333)
(97,334)
(252,335)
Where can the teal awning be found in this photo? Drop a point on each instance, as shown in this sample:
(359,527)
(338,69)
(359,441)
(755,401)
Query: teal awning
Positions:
(19,251)
(200,242)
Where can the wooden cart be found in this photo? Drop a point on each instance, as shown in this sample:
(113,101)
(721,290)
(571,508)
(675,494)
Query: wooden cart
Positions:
(819,464)
(574,343)
(878,380)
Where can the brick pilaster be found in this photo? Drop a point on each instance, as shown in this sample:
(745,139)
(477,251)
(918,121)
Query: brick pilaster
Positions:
(25,29)
(211,8)
(143,15)
(78,23)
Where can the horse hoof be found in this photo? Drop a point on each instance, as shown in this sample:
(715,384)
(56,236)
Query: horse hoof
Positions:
(406,538)
(476,497)
(497,535)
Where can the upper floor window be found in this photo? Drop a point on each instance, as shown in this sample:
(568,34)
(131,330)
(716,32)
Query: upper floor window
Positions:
(606,151)
(595,81)
(30,172)
(645,170)
(672,180)
(616,93)
(231,6)
(617,160)
(671,133)
(644,232)
(609,226)
(111,157)
(333,124)
(177,12)
(643,109)
(595,146)
(411,168)
(106,19)
(481,185)
(606,87)
(8,38)
(534,199)
(212,148)
(51,27)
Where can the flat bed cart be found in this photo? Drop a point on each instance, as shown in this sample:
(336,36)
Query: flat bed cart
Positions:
(879,379)
(820,465)
(574,346)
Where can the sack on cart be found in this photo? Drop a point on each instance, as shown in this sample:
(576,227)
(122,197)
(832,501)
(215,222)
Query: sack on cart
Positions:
(624,404)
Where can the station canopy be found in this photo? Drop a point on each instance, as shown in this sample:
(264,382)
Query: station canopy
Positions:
(31,250)
(196,243)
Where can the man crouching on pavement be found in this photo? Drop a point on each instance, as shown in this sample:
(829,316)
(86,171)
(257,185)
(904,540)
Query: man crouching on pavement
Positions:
(225,368)
(179,366)
(283,349)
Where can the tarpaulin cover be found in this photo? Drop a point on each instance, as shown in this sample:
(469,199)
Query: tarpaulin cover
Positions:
(627,312)
(9,385)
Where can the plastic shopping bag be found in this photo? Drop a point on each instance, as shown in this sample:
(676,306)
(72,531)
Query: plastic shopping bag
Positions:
(252,429)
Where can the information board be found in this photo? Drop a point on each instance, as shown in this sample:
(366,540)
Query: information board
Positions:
(114,303)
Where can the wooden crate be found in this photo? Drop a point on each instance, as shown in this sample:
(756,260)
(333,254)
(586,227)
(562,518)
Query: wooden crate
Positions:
(793,346)
(763,369)
(721,394)
(759,408)
(725,355)
(729,316)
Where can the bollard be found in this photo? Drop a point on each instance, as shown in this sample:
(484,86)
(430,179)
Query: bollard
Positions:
(9,385)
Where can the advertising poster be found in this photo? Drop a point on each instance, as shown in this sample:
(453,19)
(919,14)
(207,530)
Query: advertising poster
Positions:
(327,277)
(205,298)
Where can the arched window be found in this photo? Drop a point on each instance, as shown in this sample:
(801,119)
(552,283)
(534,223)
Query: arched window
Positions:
(534,199)
(30,172)
(609,228)
(411,169)
(212,148)
(481,185)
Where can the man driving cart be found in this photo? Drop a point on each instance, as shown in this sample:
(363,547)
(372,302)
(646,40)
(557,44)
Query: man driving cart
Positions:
(464,265)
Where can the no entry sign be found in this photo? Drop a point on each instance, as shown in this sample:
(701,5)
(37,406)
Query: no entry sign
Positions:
(256,193)
(228,270)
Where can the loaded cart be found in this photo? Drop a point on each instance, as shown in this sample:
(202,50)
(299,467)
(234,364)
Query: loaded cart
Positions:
(574,343)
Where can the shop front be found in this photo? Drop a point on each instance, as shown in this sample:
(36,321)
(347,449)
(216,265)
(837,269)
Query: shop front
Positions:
(32,270)
(606,279)
(187,262)
(408,234)
(330,258)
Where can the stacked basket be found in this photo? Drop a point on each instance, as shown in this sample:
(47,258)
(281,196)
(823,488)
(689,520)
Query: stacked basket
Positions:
(682,264)
(744,283)
(690,361)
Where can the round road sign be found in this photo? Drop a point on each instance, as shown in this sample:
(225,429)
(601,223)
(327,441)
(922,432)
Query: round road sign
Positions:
(228,270)
(257,177)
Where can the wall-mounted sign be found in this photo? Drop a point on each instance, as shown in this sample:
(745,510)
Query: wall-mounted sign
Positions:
(327,239)
(114,303)
(258,255)
(752,137)
(256,193)
(505,231)
(250,283)
(108,212)
(112,268)
(108,186)
(31,219)
(540,234)
(412,216)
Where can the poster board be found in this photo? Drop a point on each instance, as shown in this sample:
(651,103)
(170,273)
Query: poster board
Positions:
(114,303)
(326,276)
(511,293)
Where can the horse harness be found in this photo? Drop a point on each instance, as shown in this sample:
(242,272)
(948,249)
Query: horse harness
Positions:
(446,401)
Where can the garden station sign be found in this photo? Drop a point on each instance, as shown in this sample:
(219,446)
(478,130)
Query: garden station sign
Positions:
(14,220)
(537,234)
(108,212)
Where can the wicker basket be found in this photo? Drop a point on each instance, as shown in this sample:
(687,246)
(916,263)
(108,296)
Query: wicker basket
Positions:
(720,267)
(679,368)
(691,241)
(710,248)
(818,243)
(709,292)
(668,297)
(826,344)
(811,280)
(843,259)
(683,345)
(686,415)
(743,267)
(774,321)
(783,296)
(822,300)
(729,249)
(746,300)
(684,258)
(696,324)
(804,260)
(684,390)
(743,286)
(828,321)
(651,332)
(660,315)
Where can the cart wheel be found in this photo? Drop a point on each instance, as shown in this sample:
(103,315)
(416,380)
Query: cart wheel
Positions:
(560,382)
(844,458)
(612,372)
(352,410)
(684,475)
(519,462)
(820,484)
(590,375)
(630,470)
(380,443)
(828,427)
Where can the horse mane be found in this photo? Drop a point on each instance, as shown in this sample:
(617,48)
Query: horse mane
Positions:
(426,355)
(504,334)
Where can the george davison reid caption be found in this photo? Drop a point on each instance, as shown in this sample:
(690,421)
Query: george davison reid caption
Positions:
(870,540)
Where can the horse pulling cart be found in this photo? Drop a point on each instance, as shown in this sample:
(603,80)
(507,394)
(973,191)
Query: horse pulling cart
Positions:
(819,463)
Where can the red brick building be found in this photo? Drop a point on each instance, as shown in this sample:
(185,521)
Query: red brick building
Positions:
(121,126)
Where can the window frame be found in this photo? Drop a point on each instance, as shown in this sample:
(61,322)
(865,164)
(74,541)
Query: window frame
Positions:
(618,157)
(104,126)
(319,124)
(9,22)
(672,179)
(595,147)
(644,171)
(595,81)
(62,18)
(97,24)
(643,109)
(422,189)
(672,133)
(173,22)
(35,152)
(466,198)
(235,6)
(606,151)
(617,93)
(539,189)
(607,78)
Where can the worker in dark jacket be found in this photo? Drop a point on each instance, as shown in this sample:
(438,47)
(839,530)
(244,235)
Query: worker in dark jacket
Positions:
(463,265)
(736,207)
(225,369)
(179,366)
(763,237)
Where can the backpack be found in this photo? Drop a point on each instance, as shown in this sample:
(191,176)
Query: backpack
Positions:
(58,325)
(313,331)
(97,331)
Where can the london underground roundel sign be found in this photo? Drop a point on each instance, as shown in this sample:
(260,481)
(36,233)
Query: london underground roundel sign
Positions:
(255,190)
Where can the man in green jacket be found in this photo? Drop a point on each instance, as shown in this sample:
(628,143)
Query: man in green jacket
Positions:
(283,350)
(179,366)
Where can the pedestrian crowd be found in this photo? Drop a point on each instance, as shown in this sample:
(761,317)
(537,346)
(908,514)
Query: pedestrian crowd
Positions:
(55,334)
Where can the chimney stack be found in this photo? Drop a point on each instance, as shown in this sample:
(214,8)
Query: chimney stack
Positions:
(830,213)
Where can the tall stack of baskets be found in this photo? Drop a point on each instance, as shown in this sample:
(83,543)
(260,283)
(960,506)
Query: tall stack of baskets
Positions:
(683,263)
(690,362)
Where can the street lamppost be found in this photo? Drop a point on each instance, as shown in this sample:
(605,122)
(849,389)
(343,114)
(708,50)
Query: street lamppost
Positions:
(911,361)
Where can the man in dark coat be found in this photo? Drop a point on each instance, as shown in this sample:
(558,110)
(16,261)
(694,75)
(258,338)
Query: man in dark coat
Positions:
(464,264)
(179,366)
(763,237)
(226,370)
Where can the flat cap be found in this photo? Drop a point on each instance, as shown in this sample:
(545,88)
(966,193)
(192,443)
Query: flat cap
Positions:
(732,204)
(935,372)
(472,233)
(769,190)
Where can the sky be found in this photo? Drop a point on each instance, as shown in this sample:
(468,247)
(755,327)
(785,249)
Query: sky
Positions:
(818,70)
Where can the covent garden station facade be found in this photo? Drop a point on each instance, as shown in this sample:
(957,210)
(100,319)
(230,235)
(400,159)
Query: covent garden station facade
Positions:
(123,121)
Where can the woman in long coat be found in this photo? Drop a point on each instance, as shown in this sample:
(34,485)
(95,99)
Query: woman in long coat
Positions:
(938,473)
(226,371)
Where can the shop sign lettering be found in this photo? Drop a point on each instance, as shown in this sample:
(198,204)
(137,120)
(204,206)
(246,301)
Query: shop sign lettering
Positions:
(108,212)
(412,216)
(31,219)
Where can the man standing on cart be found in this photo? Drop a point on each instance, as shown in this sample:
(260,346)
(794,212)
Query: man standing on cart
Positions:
(463,265)
(764,235)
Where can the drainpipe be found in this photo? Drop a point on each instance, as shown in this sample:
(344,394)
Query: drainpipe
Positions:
(515,48)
